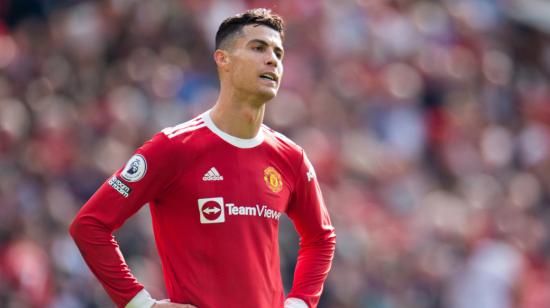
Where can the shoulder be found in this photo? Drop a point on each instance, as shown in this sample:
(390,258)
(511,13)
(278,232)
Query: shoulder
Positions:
(173,144)
(174,138)
(282,143)
(180,131)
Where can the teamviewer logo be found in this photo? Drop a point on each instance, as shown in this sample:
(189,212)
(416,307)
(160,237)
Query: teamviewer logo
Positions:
(211,210)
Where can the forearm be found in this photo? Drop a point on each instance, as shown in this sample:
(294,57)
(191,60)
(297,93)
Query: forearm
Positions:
(312,267)
(102,254)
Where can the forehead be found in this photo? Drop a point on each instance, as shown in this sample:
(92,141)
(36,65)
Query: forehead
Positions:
(261,32)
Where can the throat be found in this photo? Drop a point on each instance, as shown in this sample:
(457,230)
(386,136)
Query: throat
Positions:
(241,122)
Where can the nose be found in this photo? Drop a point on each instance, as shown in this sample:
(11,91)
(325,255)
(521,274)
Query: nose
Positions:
(272,59)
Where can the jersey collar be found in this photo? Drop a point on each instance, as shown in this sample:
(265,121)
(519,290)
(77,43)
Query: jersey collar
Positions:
(238,142)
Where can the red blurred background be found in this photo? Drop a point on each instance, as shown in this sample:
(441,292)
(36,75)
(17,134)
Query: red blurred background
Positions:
(427,121)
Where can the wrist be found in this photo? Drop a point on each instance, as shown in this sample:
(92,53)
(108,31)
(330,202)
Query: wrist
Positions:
(293,302)
(141,300)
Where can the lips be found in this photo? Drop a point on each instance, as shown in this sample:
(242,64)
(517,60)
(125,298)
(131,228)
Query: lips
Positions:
(270,76)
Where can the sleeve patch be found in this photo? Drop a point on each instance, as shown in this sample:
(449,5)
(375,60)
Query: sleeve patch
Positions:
(135,168)
(119,186)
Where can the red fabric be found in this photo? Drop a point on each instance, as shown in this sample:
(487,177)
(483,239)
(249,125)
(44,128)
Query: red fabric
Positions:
(234,263)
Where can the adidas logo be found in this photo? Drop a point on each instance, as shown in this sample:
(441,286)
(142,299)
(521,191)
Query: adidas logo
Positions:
(212,175)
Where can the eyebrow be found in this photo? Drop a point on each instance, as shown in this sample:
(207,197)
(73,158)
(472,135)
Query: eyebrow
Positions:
(262,42)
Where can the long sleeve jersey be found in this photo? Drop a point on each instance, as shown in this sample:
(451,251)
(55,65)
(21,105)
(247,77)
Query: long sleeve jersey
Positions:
(215,202)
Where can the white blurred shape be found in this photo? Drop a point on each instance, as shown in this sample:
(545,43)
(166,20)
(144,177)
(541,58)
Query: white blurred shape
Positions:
(344,29)
(168,114)
(430,18)
(432,59)
(14,118)
(316,144)
(56,112)
(496,146)
(61,204)
(497,67)
(361,153)
(218,11)
(487,278)
(525,190)
(141,63)
(128,105)
(477,14)
(481,190)
(287,109)
(534,143)
(66,256)
(445,212)
(83,28)
(461,63)
(396,35)
(167,80)
(111,154)
(406,132)
(402,80)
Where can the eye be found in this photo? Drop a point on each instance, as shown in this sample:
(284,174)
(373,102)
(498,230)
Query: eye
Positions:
(258,48)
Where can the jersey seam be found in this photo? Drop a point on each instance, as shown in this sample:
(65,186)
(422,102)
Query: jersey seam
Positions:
(297,172)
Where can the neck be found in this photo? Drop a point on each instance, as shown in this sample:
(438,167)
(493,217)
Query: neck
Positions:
(237,116)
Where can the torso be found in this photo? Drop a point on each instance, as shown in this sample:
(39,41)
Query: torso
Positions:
(216,225)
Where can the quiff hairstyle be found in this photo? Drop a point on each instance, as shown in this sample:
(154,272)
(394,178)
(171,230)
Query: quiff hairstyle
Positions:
(234,24)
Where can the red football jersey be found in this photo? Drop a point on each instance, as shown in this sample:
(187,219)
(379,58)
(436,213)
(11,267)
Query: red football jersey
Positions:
(215,201)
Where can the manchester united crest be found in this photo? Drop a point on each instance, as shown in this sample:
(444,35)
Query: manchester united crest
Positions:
(273,179)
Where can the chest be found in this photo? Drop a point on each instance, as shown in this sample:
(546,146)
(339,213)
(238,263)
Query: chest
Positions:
(238,186)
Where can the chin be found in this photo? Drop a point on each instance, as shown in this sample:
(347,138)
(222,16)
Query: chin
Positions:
(267,95)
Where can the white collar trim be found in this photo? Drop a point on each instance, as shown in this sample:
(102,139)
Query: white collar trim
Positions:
(238,142)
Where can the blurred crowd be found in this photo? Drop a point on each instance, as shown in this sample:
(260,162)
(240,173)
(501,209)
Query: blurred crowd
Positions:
(428,123)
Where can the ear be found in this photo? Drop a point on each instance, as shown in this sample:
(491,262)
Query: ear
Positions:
(221,57)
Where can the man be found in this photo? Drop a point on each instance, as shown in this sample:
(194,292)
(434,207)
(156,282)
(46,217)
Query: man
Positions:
(217,186)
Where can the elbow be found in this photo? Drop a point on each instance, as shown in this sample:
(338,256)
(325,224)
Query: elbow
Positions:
(86,228)
(332,240)
(326,239)
(75,228)
(330,236)
(329,240)
(81,227)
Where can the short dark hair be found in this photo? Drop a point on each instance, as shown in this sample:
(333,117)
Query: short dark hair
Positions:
(259,16)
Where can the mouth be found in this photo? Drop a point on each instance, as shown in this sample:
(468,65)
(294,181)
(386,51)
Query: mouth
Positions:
(270,76)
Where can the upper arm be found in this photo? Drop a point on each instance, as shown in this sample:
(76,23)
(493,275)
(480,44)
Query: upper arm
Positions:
(139,181)
(307,208)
